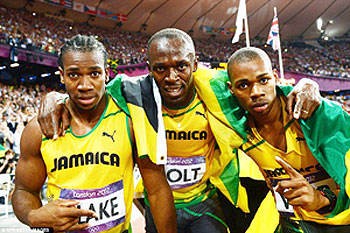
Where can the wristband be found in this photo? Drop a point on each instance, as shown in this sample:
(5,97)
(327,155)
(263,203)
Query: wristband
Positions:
(327,193)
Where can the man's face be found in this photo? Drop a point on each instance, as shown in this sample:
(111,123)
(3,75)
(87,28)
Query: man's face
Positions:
(84,76)
(254,84)
(172,63)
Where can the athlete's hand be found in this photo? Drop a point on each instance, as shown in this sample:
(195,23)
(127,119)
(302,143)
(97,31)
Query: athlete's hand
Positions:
(53,115)
(298,190)
(307,98)
(61,215)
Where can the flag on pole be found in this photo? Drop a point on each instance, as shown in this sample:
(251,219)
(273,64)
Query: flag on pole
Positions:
(273,38)
(241,15)
(90,10)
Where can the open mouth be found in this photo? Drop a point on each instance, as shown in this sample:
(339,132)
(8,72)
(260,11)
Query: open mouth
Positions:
(173,90)
(86,100)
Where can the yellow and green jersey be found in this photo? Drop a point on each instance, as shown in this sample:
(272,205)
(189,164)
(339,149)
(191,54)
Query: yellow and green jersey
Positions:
(191,146)
(297,155)
(95,169)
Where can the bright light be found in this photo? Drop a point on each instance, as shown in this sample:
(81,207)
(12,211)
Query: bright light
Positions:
(45,75)
(319,23)
(336,90)
(50,40)
(2,67)
(57,72)
(70,27)
(326,38)
(96,37)
(285,50)
(34,14)
(322,31)
(330,21)
(13,65)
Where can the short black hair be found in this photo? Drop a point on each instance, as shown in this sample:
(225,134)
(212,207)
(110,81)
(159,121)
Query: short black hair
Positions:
(82,43)
(171,33)
(245,55)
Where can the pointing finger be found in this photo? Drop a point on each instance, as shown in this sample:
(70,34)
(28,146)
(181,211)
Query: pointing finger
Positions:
(289,169)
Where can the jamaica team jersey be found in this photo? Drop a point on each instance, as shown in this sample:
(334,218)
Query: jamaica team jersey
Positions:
(96,169)
(297,155)
(191,147)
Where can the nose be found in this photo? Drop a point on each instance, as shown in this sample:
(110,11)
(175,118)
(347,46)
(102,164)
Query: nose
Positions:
(172,75)
(256,91)
(84,84)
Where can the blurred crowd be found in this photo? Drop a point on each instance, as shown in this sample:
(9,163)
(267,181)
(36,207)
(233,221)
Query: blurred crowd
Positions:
(21,28)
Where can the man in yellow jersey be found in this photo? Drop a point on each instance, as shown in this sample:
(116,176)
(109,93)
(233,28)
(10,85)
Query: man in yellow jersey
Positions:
(301,184)
(90,168)
(190,141)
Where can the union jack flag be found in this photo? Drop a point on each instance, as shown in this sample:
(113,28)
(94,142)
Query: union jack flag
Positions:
(273,38)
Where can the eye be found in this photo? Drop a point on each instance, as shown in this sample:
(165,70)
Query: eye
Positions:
(73,75)
(95,74)
(264,80)
(242,86)
(182,67)
(159,69)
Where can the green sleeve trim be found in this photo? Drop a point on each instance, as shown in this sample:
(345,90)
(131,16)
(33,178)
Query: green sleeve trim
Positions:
(189,110)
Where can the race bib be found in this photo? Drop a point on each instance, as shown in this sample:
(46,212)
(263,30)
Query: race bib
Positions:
(184,172)
(317,180)
(107,203)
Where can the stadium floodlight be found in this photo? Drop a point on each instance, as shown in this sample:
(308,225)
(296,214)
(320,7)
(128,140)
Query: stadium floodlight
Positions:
(13,65)
(45,75)
(319,23)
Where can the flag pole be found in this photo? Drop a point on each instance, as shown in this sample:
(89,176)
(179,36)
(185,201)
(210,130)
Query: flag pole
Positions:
(279,51)
(246,29)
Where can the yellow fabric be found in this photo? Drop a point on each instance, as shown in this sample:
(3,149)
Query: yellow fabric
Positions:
(191,147)
(115,164)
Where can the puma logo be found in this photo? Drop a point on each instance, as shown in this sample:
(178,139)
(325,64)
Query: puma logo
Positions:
(201,114)
(108,135)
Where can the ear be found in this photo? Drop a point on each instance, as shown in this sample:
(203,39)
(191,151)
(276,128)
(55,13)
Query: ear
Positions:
(195,64)
(107,70)
(149,66)
(61,74)
(229,84)
(274,73)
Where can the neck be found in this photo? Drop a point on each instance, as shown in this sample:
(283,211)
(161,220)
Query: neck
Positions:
(87,117)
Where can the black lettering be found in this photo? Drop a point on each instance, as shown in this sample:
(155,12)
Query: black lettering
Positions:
(114,207)
(75,159)
(89,158)
(203,135)
(55,165)
(267,174)
(309,168)
(174,170)
(92,208)
(185,176)
(195,172)
(62,163)
(103,210)
(194,135)
(115,160)
(170,134)
(103,154)
(182,135)
(97,158)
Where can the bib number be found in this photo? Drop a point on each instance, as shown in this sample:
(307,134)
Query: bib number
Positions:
(184,172)
(107,203)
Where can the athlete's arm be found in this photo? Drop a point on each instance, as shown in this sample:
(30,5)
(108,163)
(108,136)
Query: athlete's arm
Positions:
(61,215)
(159,194)
(306,97)
(53,115)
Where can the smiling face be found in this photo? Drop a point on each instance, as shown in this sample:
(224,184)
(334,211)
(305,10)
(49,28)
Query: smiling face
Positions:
(84,75)
(254,84)
(172,62)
